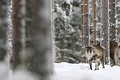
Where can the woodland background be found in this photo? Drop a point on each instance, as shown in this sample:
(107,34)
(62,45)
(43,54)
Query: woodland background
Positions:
(41,32)
(72,33)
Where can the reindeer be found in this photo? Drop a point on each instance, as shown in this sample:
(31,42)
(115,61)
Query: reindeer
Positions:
(95,53)
(114,52)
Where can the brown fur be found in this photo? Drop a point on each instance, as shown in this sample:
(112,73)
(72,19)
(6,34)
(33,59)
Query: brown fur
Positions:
(114,46)
(98,54)
(100,51)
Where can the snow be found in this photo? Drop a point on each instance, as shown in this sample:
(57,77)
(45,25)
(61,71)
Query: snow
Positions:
(59,10)
(118,5)
(65,71)
(22,74)
(69,1)
(19,74)
(3,70)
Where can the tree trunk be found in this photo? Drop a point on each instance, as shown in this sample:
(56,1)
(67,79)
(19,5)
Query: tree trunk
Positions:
(86,27)
(23,29)
(42,61)
(17,27)
(3,28)
(105,29)
(112,20)
(83,35)
(94,28)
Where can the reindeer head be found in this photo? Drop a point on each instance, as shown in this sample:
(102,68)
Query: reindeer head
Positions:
(89,49)
(89,52)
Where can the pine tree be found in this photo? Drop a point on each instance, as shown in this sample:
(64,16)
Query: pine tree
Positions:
(83,27)
(86,26)
(94,28)
(105,28)
(17,28)
(112,20)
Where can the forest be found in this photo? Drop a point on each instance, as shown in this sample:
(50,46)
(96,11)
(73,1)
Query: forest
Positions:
(59,39)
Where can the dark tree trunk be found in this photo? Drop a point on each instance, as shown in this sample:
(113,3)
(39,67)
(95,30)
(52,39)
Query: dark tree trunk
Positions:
(112,20)
(105,29)
(42,61)
(17,27)
(86,27)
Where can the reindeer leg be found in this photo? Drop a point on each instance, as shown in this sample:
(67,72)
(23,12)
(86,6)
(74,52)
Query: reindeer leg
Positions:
(116,56)
(102,62)
(103,65)
(97,63)
(113,57)
(90,64)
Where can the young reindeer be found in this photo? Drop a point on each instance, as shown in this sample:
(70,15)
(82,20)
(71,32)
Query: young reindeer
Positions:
(95,53)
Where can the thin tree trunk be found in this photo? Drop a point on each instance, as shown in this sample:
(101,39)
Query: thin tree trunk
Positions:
(23,29)
(83,35)
(94,28)
(62,52)
(112,20)
(17,27)
(86,27)
(105,29)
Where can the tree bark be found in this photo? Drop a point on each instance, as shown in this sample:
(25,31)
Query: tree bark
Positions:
(17,27)
(112,20)
(105,29)
(94,28)
(42,61)
(86,27)
(83,35)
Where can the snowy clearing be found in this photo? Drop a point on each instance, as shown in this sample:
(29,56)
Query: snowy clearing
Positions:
(66,71)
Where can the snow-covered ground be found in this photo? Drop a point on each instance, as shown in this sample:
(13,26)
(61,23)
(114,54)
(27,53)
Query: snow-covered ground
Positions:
(19,74)
(65,71)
